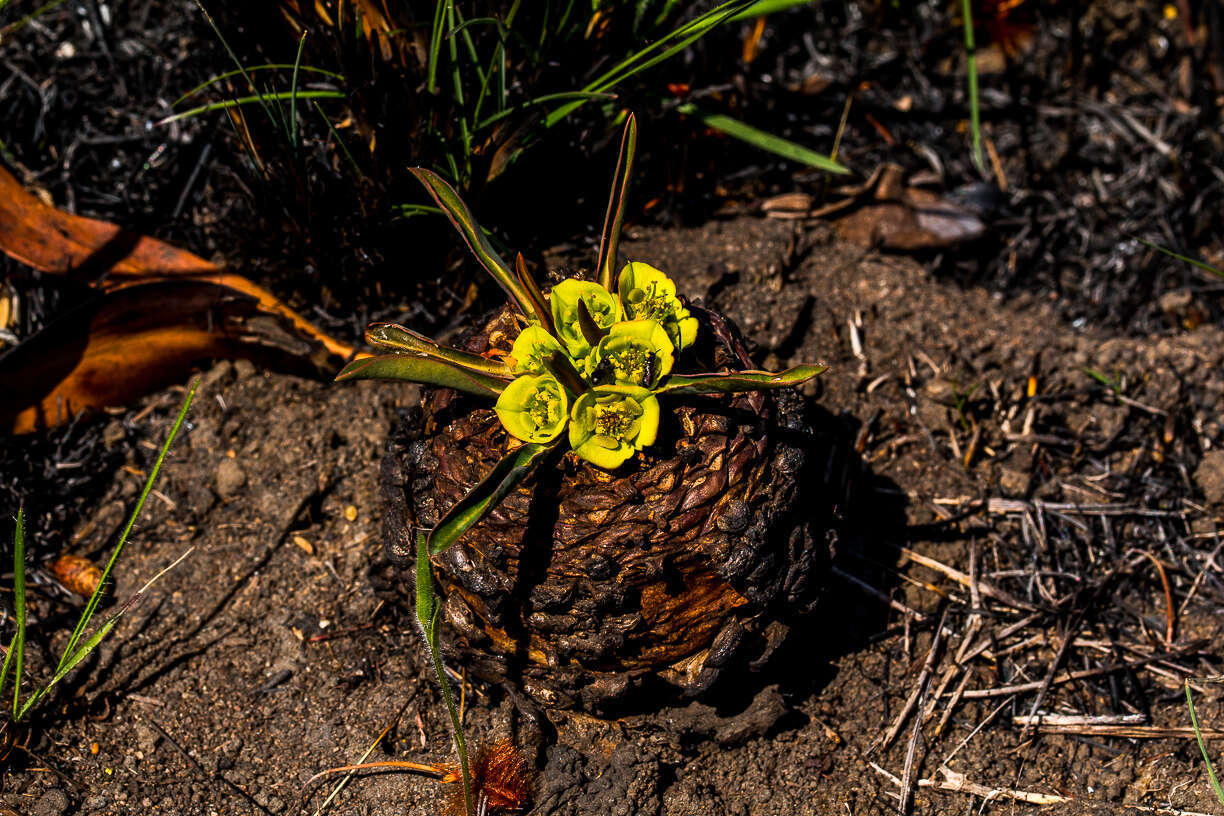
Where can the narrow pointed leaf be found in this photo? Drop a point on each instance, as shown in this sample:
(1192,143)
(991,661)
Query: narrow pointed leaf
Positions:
(505,477)
(423,370)
(738,381)
(461,217)
(91,606)
(16,650)
(427,609)
(763,140)
(614,220)
(424,586)
(538,304)
(399,338)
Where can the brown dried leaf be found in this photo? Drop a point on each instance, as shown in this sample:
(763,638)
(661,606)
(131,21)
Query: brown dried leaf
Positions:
(885,213)
(54,241)
(160,311)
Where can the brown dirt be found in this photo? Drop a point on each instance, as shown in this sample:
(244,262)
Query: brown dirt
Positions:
(266,656)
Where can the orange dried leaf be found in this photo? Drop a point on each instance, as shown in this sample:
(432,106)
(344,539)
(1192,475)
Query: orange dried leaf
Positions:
(80,576)
(160,312)
(54,241)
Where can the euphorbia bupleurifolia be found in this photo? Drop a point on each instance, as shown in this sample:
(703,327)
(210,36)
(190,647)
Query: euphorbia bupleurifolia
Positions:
(590,371)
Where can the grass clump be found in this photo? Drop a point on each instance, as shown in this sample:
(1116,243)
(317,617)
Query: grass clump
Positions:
(78,646)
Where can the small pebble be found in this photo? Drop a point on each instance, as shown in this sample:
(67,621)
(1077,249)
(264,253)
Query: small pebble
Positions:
(96,802)
(243,369)
(230,478)
(216,376)
(1210,477)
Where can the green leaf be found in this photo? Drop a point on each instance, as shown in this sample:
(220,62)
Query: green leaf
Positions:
(543,99)
(424,370)
(760,139)
(435,45)
(514,467)
(461,217)
(738,381)
(399,338)
(427,609)
(6,32)
(16,650)
(1184,259)
(615,218)
(975,115)
(91,605)
(425,602)
(1198,735)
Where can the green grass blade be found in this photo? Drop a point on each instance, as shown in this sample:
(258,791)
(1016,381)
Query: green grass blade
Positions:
(339,140)
(86,648)
(262,99)
(765,141)
(463,220)
(1104,379)
(280,66)
(425,370)
(16,650)
(1198,735)
(653,54)
(92,605)
(513,468)
(497,64)
(12,28)
(411,210)
(764,7)
(465,133)
(738,381)
(975,118)
(293,91)
(617,201)
(469,44)
(237,62)
(1200,264)
(435,46)
(400,338)
(544,99)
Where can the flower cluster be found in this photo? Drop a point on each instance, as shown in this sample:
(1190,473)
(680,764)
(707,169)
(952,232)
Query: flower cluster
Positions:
(596,371)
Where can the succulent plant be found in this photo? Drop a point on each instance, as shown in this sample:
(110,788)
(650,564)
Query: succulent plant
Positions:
(668,520)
